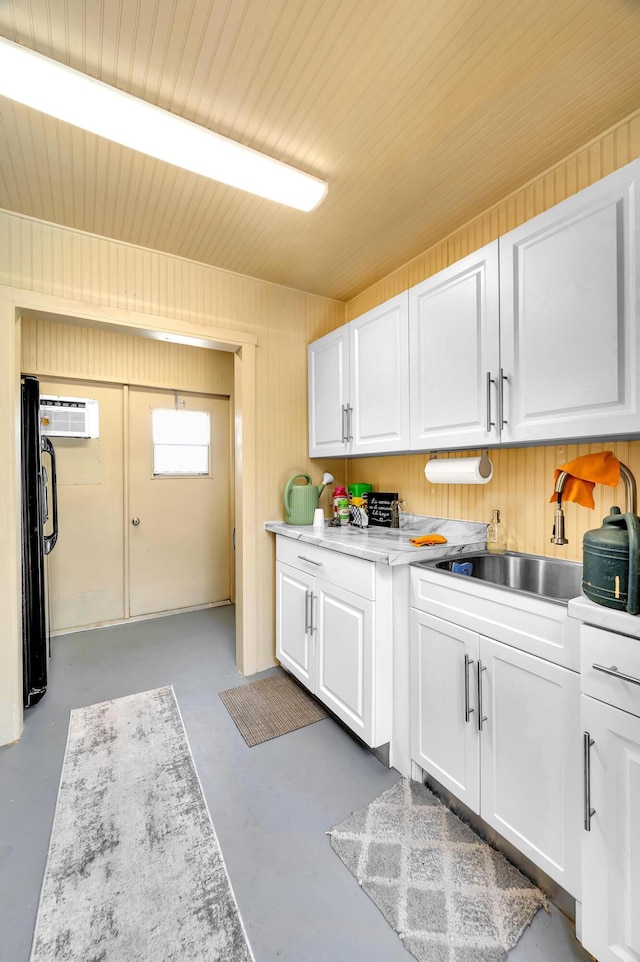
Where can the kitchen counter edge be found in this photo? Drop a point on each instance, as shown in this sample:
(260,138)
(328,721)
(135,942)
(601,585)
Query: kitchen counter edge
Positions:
(394,554)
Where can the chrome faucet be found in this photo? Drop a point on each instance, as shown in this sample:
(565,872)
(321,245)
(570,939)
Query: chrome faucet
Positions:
(558,522)
(630,493)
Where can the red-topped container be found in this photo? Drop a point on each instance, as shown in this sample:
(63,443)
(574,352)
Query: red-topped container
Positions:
(340,505)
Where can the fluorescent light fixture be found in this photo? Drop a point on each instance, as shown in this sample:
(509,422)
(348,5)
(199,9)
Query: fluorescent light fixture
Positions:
(71,96)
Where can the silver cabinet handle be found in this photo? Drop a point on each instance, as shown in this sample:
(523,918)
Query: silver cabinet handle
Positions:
(135,522)
(345,430)
(490,423)
(501,418)
(587,742)
(467,711)
(314,626)
(481,718)
(307,611)
(350,423)
(613,671)
(316,564)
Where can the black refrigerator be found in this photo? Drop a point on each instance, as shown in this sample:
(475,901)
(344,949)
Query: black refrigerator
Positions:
(35,543)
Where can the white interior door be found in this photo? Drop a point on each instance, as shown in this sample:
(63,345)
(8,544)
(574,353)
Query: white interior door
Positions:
(86,584)
(179,501)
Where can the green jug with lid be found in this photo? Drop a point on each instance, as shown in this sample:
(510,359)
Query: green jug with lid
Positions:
(611,562)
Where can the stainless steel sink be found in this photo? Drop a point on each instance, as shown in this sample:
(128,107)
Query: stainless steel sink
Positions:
(549,578)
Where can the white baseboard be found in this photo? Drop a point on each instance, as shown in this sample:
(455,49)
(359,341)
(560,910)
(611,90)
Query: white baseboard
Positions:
(128,621)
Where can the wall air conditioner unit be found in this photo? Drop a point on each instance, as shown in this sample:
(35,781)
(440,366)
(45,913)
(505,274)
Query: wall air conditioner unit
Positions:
(69,417)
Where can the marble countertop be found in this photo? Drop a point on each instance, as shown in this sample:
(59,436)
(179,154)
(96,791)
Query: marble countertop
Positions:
(611,619)
(391,546)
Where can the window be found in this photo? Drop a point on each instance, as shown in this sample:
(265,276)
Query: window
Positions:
(180,442)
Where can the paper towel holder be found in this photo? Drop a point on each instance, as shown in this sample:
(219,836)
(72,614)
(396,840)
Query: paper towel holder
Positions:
(485,467)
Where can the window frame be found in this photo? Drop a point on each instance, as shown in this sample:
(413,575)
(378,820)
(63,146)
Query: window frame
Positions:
(153,444)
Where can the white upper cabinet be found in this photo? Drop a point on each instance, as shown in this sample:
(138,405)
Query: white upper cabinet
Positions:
(359,384)
(329,394)
(379,378)
(569,301)
(454,349)
(534,337)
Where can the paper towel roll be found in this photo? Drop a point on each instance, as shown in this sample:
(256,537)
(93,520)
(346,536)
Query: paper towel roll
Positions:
(459,470)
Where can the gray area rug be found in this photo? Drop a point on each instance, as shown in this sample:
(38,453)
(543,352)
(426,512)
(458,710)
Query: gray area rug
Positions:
(134,871)
(448,895)
(270,707)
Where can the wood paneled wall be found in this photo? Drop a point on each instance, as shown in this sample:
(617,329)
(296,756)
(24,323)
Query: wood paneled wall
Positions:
(523,477)
(521,486)
(55,349)
(52,260)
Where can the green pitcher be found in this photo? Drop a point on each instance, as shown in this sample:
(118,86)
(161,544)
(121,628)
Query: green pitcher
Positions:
(301,500)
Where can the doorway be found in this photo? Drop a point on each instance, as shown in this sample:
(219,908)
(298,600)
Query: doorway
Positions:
(252,651)
(162,461)
(179,501)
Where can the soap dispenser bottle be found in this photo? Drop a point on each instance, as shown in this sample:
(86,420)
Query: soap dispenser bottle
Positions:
(496,534)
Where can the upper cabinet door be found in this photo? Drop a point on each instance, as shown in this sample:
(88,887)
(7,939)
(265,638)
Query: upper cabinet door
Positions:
(379,352)
(454,351)
(569,316)
(329,394)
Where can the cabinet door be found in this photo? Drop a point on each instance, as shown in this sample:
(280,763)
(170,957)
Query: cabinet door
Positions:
(611,849)
(530,774)
(569,285)
(293,622)
(444,734)
(454,349)
(343,627)
(379,380)
(329,394)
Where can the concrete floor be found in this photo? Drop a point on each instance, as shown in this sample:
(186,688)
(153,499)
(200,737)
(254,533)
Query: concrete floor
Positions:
(271,805)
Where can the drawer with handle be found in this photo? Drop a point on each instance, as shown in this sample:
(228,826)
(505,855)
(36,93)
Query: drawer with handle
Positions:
(610,668)
(353,574)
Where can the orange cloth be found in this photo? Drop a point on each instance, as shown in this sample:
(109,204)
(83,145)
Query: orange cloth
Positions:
(585,472)
(428,539)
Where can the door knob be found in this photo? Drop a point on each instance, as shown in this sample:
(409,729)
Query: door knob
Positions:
(135,522)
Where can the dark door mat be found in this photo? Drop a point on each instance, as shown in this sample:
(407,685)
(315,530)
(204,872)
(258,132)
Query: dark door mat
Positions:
(270,707)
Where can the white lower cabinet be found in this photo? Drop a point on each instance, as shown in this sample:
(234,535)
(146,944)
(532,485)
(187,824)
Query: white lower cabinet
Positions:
(333,633)
(530,780)
(611,847)
(294,591)
(343,667)
(444,739)
(611,836)
(499,728)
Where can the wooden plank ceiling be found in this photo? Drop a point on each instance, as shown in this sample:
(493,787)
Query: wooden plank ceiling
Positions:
(418,113)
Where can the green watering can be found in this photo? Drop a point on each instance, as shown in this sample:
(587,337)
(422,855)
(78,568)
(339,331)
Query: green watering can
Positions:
(611,562)
(301,500)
